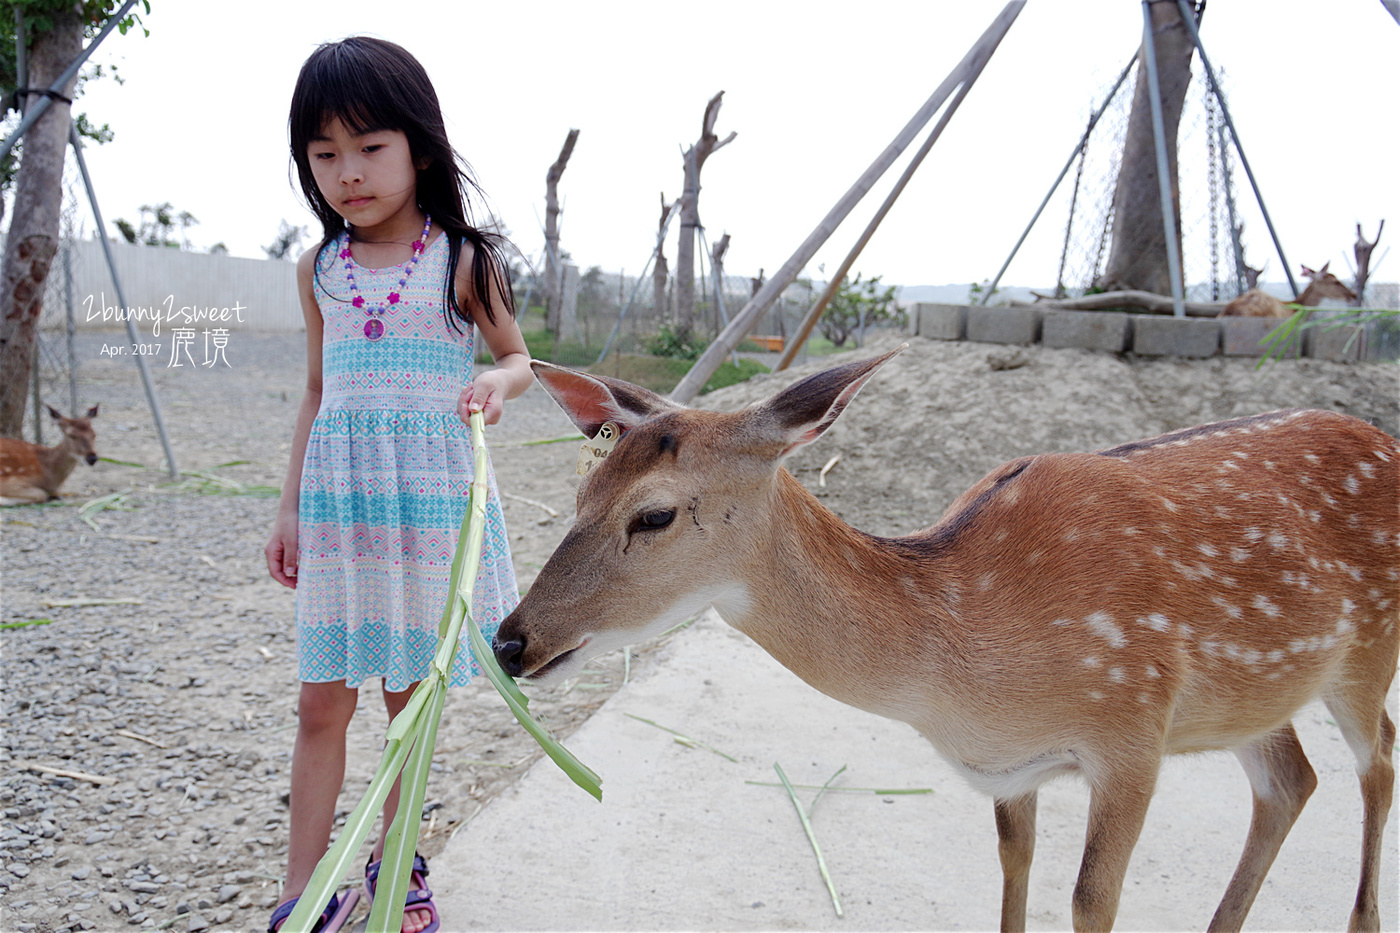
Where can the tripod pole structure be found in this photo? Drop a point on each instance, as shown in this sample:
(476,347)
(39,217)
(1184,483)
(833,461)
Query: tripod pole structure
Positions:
(1190,21)
(1159,136)
(743,322)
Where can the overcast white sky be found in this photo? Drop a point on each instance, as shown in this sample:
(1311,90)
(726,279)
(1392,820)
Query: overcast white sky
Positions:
(815,90)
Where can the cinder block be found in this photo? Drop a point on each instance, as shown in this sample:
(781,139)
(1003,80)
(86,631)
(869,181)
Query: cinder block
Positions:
(1004,325)
(1241,336)
(940,322)
(1343,344)
(1105,331)
(1160,335)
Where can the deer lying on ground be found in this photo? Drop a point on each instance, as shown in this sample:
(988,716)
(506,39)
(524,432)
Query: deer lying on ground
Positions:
(1070,613)
(1258,303)
(30,473)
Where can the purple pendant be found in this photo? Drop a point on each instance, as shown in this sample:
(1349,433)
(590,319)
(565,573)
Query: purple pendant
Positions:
(374,328)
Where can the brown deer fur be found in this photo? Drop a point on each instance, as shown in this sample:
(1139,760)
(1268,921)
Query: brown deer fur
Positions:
(1082,613)
(31,473)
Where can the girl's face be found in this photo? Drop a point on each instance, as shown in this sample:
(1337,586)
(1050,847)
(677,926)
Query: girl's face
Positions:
(369,179)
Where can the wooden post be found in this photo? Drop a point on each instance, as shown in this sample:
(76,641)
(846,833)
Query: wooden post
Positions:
(694,158)
(1363,249)
(748,316)
(553,266)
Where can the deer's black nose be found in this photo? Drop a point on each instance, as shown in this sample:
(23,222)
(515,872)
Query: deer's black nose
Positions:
(511,655)
(91,459)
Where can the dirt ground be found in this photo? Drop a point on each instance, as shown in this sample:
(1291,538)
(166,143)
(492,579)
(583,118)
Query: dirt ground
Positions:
(183,701)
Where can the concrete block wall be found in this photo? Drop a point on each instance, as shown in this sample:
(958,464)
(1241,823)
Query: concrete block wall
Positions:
(1143,334)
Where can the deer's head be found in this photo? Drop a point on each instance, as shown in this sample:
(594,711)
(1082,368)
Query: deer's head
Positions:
(665,520)
(1324,284)
(79,437)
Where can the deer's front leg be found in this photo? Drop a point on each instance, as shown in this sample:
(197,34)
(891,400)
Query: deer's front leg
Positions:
(1016,832)
(1117,809)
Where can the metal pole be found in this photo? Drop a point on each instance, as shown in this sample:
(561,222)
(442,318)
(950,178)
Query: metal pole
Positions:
(1164,182)
(121,300)
(1244,161)
(1083,141)
(37,111)
(71,326)
(749,315)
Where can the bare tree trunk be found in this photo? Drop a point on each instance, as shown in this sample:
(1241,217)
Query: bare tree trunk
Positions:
(1363,262)
(553,264)
(694,160)
(717,252)
(34,227)
(1137,258)
(660,271)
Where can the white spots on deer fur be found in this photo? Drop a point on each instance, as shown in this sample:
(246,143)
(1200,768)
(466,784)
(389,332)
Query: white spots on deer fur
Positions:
(1275,656)
(1267,606)
(1144,699)
(1352,484)
(1002,535)
(1160,552)
(1102,625)
(1242,455)
(1354,520)
(1278,540)
(1071,536)
(1345,626)
(1384,604)
(1092,661)
(986,581)
(1367,470)
(1061,622)
(1379,537)
(1156,621)
(1330,500)
(1116,675)
(1185,630)
(1312,458)
(1153,673)
(1393,574)
(1096,695)
(1253,535)
(1315,515)
(1380,455)
(1231,610)
(1229,465)
(1270,465)
(1239,555)
(1130,530)
(1171,506)
(1208,550)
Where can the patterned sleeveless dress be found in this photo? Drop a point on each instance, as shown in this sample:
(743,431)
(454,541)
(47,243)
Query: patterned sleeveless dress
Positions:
(384,484)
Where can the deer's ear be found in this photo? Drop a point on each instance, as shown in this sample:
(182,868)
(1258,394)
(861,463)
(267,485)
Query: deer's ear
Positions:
(92,412)
(1323,270)
(803,411)
(591,401)
(54,413)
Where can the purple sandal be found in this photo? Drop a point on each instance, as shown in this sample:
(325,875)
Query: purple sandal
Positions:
(331,919)
(419,897)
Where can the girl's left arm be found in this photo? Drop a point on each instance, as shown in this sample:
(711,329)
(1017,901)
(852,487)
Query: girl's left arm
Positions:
(511,376)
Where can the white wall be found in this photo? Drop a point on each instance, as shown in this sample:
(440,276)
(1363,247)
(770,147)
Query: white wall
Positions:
(259,294)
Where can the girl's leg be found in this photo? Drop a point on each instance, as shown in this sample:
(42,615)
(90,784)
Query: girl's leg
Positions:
(394,703)
(318,771)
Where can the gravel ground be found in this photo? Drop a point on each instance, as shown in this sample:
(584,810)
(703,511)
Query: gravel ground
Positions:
(183,702)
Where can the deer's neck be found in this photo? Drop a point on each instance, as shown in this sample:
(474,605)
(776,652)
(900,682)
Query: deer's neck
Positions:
(852,614)
(57,463)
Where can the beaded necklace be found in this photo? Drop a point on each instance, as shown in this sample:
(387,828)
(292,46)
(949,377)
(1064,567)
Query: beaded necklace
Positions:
(374,327)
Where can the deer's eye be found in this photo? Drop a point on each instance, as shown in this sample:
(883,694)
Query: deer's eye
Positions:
(655,519)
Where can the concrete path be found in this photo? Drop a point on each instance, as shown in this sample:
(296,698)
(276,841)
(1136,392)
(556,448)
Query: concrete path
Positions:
(683,842)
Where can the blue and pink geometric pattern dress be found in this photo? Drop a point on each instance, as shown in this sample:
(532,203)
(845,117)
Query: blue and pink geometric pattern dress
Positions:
(384,484)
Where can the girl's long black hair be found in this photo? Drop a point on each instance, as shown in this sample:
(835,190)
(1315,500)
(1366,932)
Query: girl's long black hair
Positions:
(371,84)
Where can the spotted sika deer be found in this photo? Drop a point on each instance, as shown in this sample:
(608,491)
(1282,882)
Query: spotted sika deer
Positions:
(30,473)
(1080,614)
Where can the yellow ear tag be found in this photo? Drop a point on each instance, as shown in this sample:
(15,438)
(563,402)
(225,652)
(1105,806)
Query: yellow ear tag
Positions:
(594,451)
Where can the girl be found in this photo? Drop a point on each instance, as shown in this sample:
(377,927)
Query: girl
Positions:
(381,456)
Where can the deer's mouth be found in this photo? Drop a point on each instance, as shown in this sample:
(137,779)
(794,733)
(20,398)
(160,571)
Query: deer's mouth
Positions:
(552,668)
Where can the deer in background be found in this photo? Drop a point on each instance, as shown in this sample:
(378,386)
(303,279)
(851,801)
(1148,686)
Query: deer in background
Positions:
(1069,614)
(31,473)
(1258,303)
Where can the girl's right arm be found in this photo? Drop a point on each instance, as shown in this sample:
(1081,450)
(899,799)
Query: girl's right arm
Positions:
(281,550)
